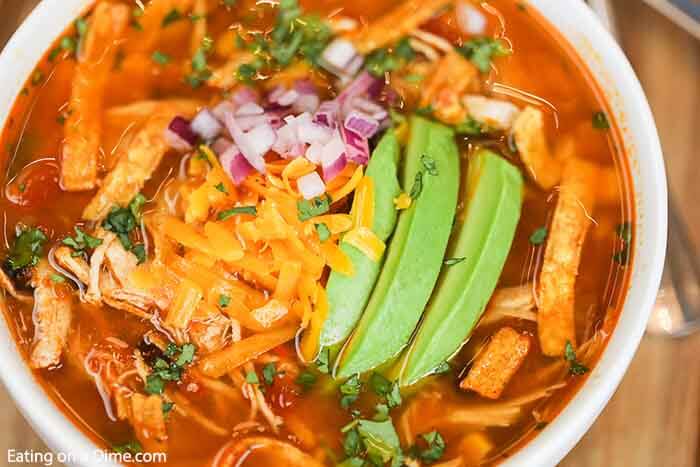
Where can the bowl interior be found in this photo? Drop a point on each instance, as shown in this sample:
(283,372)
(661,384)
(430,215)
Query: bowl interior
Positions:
(609,67)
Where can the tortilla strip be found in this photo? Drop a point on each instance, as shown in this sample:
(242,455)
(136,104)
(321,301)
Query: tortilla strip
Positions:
(152,22)
(133,170)
(396,24)
(497,363)
(556,287)
(52,316)
(531,140)
(147,418)
(138,112)
(80,152)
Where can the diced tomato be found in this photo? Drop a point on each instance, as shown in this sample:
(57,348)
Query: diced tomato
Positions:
(35,184)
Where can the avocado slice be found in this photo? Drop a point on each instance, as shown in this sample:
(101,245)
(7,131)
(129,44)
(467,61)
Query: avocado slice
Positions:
(415,254)
(493,196)
(347,296)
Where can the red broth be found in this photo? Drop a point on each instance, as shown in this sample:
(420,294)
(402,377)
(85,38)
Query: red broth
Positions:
(541,67)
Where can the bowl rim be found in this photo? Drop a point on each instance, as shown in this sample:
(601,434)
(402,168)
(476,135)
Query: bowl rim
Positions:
(50,17)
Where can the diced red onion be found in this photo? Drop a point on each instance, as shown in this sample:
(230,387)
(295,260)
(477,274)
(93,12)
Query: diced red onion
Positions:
(262,138)
(309,132)
(369,107)
(314,153)
(333,150)
(176,142)
(338,55)
(206,125)
(361,124)
(288,98)
(250,149)
(222,108)
(333,170)
(305,86)
(360,86)
(221,145)
(181,127)
(311,186)
(327,114)
(276,93)
(306,103)
(244,95)
(248,122)
(250,108)
(287,143)
(357,147)
(235,164)
(470,20)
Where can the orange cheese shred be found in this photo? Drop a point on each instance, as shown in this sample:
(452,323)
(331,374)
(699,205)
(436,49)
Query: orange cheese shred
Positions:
(367,242)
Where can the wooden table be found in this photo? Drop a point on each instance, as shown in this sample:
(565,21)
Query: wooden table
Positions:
(653,418)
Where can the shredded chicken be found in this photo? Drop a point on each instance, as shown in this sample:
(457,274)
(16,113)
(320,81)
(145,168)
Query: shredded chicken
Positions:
(212,333)
(494,114)
(76,265)
(51,315)
(556,287)
(133,170)
(287,455)
(450,78)
(80,153)
(399,22)
(511,302)
(94,294)
(531,140)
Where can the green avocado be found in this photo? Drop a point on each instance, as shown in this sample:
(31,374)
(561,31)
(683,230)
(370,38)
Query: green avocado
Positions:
(415,253)
(347,296)
(493,196)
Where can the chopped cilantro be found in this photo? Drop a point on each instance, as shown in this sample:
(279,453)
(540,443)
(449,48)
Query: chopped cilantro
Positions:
(160,57)
(81,242)
(386,60)
(121,221)
(323,231)
(37,77)
(470,127)
(426,111)
(323,361)
(482,50)
(139,250)
(186,356)
(171,17)
(386,389)
(307,209)
(230,3)
(417,187)
(539,236)
(624,231)
(350,391)
(249,210)
(224,301)
(252,378)
(221,187)
(306,380)
(600,121)
(131,447)
(178,357)
(155,384)
(57,278)
(429,164)
(167,407)
(442,368)
(453,261)
(269,372)
(27,249)
(576,368)
(435,449)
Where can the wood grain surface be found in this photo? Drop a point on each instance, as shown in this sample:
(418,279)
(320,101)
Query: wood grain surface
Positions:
(653,418)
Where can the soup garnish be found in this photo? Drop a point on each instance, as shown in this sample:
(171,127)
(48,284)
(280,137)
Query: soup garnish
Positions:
(328,233)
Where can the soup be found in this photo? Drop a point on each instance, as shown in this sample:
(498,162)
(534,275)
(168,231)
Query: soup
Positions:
(335,233)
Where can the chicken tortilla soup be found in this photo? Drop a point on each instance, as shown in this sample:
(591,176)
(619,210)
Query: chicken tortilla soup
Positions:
(281,233)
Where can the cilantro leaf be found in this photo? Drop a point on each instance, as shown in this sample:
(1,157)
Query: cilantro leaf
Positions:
(307,209)
(248,210)
(269,372)
(482,50)
(600,121)
(131,447)
(172,16)
(252,378)
(350,391)
(224,301)
(576,368)
(323,231)
(435,449)
(539,236)
(306,380)
(27,249)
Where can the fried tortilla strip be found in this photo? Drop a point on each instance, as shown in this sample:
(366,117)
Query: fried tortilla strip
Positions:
(497,363)
(153,21)
(76,265)
(133,170)
(83,128)
(139,112)
(531,140)
(396,24)
(451,78)
(52,316)
(556,287)
(149,422)
(226,76)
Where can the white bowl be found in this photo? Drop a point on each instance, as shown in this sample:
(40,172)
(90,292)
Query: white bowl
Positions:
(606,62)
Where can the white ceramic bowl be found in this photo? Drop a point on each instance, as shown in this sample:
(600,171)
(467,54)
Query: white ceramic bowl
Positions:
(606,62)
